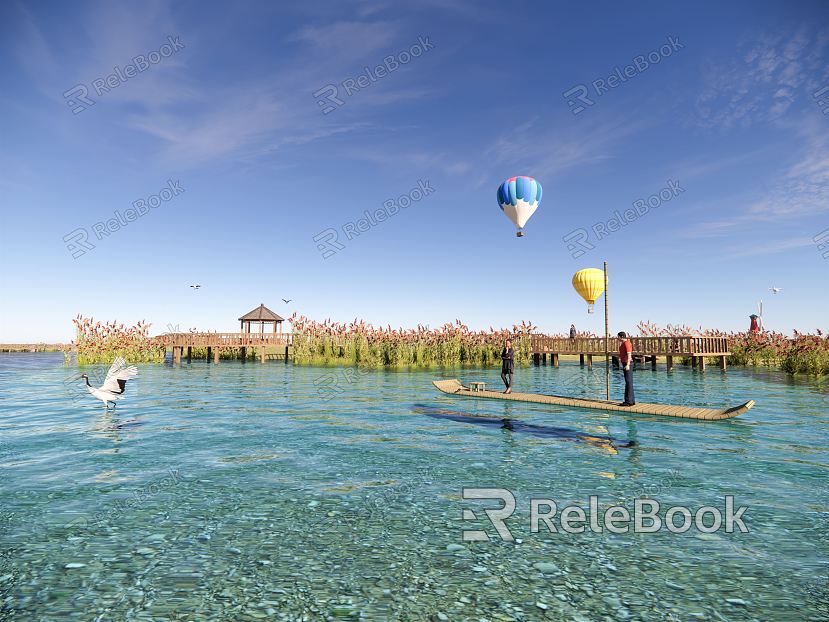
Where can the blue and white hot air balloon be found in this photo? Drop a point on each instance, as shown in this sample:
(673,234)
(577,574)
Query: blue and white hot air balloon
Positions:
(519,198)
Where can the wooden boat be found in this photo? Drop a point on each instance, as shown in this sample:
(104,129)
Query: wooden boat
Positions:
(453,387)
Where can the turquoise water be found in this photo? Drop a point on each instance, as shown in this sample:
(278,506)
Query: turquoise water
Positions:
(245,492)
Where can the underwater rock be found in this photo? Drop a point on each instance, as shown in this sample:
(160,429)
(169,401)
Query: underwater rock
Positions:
(546,567)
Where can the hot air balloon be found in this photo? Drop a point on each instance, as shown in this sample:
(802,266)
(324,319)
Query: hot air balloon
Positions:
(589,283)
(519,198)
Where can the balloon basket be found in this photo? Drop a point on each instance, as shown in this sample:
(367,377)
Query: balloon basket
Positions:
(519,234)
(591,309)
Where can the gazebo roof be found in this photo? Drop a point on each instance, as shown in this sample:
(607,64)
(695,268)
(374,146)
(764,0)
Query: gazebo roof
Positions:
(259,314)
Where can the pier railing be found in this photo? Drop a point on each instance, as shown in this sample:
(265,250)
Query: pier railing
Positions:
(224,340)
(642,346)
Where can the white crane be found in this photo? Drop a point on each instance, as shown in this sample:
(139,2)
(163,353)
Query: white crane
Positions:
(115,383)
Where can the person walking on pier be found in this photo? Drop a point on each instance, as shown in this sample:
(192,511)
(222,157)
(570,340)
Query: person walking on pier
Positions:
(626,360)
(507,365)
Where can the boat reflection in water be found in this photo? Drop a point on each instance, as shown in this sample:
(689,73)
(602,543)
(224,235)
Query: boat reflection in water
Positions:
(607,443)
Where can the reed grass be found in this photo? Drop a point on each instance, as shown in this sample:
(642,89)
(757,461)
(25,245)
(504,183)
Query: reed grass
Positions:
(452,345)
(805,353)
(364,345)
(97,343)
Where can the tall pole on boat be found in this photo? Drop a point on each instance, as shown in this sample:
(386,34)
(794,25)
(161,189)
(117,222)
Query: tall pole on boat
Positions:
(606,340)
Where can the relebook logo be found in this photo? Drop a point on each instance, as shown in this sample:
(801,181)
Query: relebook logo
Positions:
(647,516)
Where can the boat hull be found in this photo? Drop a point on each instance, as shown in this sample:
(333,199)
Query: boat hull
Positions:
(453,387)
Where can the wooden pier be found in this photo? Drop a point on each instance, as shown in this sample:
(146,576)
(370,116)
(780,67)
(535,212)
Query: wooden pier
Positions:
(645,349)
(282,343)
(259,317)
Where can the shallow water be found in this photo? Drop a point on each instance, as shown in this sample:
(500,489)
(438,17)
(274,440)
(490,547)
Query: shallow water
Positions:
(249,491)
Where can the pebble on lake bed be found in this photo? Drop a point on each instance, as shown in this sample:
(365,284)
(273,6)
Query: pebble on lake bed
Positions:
(545,567)
(279,557)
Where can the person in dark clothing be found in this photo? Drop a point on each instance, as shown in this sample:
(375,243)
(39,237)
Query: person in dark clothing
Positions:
(626,360)
(507,365)
(572,331)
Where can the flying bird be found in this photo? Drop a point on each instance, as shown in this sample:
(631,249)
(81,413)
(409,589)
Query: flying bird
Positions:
(195,286)
(286,301)
(775,290)
(115,383)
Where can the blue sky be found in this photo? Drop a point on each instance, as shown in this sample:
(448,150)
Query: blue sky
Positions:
(728,114)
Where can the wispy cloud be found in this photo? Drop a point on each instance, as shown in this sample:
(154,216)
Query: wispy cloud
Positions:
(800,190)
(763,80)
(195,120)
(769,248)
(348,40)
(468,10)
(550,151)
(452,163)
(770,83)
(111,35)
(215,132)
(700,167)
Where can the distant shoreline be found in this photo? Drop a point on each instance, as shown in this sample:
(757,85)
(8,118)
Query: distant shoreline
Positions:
(33,347)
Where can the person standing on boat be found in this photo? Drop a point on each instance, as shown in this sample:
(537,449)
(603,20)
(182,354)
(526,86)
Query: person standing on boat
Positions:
(572,331)
(507,365)
(626,360)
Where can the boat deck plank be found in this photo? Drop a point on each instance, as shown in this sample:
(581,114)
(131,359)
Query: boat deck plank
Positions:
(453,387)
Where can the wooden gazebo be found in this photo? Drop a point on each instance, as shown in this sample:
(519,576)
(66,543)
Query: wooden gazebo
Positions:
(262,316)
(252,335)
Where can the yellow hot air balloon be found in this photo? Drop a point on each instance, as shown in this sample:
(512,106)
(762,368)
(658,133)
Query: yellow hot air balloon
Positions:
(589,283)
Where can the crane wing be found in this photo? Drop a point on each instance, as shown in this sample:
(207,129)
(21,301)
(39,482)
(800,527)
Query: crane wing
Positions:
(118,375)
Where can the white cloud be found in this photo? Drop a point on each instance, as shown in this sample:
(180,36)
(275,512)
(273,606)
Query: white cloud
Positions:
(761,83)
(769,247)
(420,160)
(800,190)
(348,41)
(193,119)
(552,150)
(216,132)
